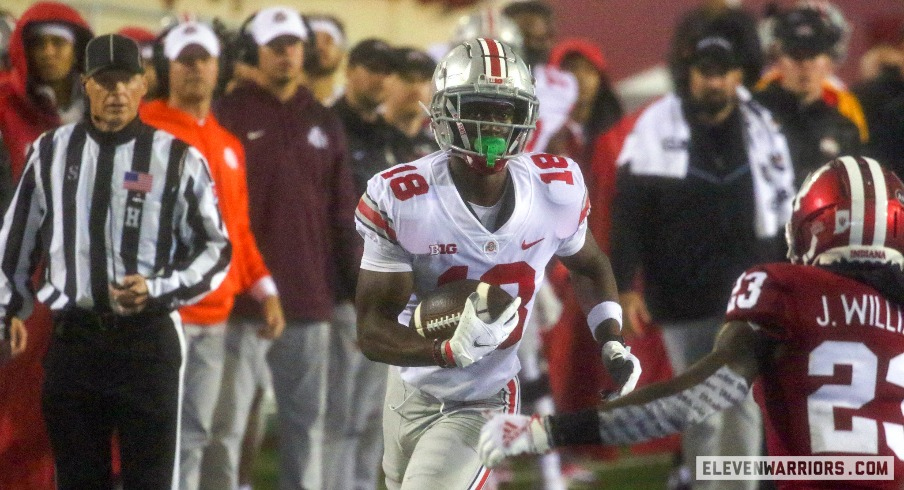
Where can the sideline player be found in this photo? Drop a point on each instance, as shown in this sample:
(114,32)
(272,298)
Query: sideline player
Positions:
(824,332)
(478,209)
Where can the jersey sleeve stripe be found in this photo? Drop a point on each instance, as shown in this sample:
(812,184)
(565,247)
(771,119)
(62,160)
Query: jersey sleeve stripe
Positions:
(585,210)
(373,219)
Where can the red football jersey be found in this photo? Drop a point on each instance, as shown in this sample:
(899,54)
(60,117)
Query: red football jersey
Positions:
(837,383)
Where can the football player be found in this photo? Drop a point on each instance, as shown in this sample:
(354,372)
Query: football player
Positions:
(477,209)
(799,327)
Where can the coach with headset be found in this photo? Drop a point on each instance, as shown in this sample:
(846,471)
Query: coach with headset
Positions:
(301,206)
(125,219)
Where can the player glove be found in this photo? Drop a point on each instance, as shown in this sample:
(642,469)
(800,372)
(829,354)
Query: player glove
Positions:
(509,434)
(623,367)
(475,338)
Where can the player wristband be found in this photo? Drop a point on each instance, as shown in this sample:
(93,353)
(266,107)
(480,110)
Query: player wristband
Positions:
(439,357)
(603,312)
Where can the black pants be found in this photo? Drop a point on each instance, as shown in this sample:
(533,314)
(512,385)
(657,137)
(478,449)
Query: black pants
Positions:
(107,375)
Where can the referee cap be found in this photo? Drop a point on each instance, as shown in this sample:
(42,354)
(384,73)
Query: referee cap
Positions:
(112,52)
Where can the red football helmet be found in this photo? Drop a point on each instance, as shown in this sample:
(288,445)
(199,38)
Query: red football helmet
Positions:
(850,209)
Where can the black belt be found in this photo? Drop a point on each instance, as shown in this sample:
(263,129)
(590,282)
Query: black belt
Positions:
(102,321)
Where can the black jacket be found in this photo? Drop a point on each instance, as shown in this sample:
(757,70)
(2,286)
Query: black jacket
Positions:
(816,133)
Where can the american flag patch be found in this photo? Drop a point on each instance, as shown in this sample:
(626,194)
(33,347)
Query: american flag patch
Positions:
(138,181)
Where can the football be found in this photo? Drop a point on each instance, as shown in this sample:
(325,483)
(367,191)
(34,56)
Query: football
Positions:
(437,315)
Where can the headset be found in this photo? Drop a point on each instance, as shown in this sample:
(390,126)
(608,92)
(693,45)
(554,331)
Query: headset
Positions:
(161,63)
(311,56)
(244,44)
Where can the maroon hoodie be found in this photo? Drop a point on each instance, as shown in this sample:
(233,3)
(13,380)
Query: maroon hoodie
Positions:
(301,198)
(24,115)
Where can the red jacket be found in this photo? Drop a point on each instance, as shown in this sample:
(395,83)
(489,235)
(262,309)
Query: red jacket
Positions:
(226,158)
(24,115)
(26,461)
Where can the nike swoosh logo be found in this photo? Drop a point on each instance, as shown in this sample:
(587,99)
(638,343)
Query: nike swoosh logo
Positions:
(525,245)
(478,344)
(253,135)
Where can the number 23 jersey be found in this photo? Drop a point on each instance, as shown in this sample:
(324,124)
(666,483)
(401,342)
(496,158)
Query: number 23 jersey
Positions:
(836,385)
(413,218)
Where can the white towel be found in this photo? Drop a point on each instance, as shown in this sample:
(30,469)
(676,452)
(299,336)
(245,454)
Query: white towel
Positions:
(658,146)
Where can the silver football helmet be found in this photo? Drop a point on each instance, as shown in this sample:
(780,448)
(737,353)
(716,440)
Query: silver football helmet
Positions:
(491,23)
(476,77)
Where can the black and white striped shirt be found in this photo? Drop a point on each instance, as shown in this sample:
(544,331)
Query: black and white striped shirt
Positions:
(99,206)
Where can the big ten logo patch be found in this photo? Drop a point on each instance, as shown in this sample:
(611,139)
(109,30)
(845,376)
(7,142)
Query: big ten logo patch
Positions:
(443,249)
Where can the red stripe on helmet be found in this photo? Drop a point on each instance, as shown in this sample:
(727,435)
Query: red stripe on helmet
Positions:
(495,58)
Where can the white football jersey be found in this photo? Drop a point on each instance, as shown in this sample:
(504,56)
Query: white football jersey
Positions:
(414,214)
(557,91)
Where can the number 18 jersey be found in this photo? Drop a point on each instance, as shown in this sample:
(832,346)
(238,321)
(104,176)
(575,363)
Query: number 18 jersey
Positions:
(414,215)
(836,385)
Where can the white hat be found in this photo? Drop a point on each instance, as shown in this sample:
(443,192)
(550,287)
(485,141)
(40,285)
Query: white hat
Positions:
(188,33)
(328,26)
(272,22)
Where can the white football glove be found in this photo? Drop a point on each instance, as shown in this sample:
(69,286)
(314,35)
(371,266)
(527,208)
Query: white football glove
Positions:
(507,435)
(475,338)
(623,367)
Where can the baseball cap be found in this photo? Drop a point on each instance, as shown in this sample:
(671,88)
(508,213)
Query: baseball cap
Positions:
(414,63)
(373,54)
(805,33)
(715,53)
(187,34)
(112,52)
(272,22)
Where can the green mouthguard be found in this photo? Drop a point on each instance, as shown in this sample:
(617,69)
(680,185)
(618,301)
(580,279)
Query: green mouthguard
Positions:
(490,147)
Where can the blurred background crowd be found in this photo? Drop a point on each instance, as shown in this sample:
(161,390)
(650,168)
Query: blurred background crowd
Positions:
(831,74)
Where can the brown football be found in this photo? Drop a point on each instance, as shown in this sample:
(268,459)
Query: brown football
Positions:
(437,315)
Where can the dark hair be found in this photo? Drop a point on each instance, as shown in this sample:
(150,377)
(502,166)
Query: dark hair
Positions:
(536,7)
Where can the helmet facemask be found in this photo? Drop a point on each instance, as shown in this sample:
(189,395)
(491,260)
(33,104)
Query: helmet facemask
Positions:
(484,130)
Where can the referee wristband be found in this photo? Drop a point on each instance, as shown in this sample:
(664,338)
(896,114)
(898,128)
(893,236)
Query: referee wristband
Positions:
(603,312)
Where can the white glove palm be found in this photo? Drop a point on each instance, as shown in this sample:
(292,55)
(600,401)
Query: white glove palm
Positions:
(474,337)
(507,435)
(623,367)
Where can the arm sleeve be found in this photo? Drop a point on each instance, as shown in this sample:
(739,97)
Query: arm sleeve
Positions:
(19,237)
(382,250)
(630,215)
(201,230)
(383,256)
(575,242)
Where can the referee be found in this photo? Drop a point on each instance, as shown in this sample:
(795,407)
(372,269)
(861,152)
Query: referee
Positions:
(125,219)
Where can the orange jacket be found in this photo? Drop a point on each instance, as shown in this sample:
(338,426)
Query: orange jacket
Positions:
(226,158)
